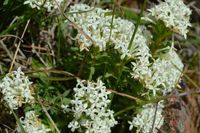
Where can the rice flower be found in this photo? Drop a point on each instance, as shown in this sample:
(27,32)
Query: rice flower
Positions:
(15,87)
(50,5)
(32,124)
(98,25)
(90,105)
(174,13)
(162,75)
(145,119)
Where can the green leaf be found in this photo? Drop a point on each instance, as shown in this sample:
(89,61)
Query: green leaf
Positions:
(5,2)
(92,70)
(66,101)
(66,93)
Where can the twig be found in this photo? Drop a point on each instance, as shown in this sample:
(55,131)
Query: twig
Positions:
(49,117)
(157,99)
(37,47)
(54,71)
(191,81)
(126,95)
(192,72)
(18,46)
(13,21)
(173,96)
(188,93)
(187,78)
(10,35)
(192,5)
(7,126)
(6,130)
(38,55)
(6,49)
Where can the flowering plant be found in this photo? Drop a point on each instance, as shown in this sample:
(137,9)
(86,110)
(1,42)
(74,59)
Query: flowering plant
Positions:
(94,69)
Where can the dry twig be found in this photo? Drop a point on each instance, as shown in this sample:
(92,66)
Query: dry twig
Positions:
(18,46)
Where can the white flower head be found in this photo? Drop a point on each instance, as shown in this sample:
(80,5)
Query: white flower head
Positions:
(144,120)
(90,108)
(15,87)
(97,24)
(166,72)
(141,54)
(32,124)
(160,76)
(50,5)
(174,13)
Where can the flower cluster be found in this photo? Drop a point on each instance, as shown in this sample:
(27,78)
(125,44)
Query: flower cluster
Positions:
(15,89)
(32,124)
(145,119)
(166,72)
(50,5)
(159,76)
(103,31)
(90,108)
(174,13)
(162,75)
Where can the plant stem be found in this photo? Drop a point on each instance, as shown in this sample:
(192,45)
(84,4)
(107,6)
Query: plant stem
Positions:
(124,110)
(137,24)
(111,25)
(18,121)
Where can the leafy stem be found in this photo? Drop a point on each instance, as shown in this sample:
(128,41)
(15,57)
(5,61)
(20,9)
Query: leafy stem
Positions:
(137,24)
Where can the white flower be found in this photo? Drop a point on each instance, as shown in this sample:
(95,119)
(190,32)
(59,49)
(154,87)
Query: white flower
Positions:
(166,71)
(32,124)
(15,89)
(90,108)
(50,5)
(73,125)
(141,54)
(97,24)
(65,108)
(174,13)
(162,75)
(144,120)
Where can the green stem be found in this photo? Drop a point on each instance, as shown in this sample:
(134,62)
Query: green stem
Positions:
(137,24)
(122,126)
(124,110)
(18,121)
(59,39)
(122,63)
(111,25)
(92,67)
